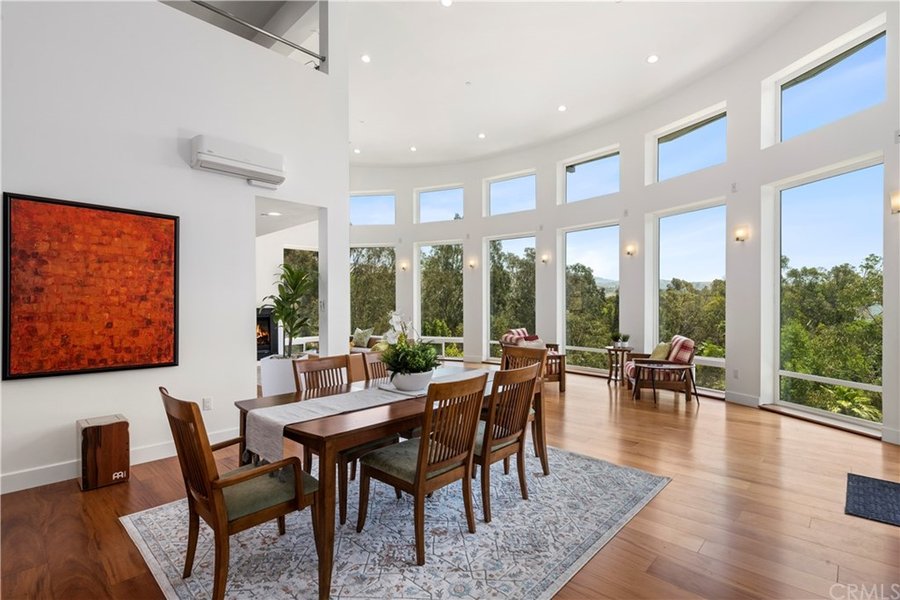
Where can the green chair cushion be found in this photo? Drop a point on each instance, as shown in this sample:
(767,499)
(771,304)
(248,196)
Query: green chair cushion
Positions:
(261,492)
(361,337)
(399,460)
(479,440)
(661,352)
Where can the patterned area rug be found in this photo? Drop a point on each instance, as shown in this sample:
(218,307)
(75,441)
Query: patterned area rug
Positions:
(529,550)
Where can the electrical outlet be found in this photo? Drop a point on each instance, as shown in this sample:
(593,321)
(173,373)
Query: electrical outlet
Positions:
(734,188)
(207,404)
(735,373)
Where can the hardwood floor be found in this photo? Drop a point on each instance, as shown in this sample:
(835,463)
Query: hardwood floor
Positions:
(755,509)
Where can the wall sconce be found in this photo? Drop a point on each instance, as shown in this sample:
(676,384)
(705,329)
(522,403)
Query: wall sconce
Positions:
(895,203)
(741,234)
(630,249)
(545,258)
(472,263)
(404,266)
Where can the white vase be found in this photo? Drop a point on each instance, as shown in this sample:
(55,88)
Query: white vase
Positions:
(411,382)
(276,375)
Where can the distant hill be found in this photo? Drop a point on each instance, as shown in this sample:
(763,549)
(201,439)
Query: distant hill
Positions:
(611,285)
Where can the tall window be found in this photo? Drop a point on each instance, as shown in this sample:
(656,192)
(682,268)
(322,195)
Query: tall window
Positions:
(848,83)
(308,260)
(372,209)
(512,195)
(373,291)
(692,287)
(511,287)
(692,148)
(831,294)
(441,295)
(592,294)
(591,178)
(441,205)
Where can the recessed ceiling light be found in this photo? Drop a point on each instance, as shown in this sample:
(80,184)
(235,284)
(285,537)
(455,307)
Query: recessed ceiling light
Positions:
(356,151)
(365,58)
(561,108)
(652,59)
(446,3)
(412,148)
(271,214)
(481,136)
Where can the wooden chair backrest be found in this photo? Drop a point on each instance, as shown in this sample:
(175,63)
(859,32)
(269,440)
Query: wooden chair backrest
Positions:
(326,371)
(452,411)
(198,467)
(375,368)
(511,398)
(516,357)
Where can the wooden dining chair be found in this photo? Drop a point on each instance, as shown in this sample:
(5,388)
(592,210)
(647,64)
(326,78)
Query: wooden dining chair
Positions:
(236,500)
(332,371)
(441,456)
(516,357)
(502,434)
(375,368)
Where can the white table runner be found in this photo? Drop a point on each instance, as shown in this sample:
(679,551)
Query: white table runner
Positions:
(264,434)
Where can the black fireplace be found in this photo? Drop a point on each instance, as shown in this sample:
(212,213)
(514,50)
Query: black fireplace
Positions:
(266,333)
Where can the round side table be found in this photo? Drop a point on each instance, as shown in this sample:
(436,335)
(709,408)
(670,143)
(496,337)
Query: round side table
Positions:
(616,356)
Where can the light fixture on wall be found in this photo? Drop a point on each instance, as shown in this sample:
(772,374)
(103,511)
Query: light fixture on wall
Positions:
(545,258)
(741,234)
(630,249)
(472,263)
(404,266)
(895,203)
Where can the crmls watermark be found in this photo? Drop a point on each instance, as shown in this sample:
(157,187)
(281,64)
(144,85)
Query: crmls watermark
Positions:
(863,591)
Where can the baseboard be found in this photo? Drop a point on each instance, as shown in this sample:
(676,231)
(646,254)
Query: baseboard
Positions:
(63,471)
(890,435)
(742,399)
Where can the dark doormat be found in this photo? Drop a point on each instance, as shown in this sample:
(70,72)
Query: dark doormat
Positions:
(874,499)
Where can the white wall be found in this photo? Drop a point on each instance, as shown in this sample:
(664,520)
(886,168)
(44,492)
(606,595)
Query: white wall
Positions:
(99,103)
(748,167)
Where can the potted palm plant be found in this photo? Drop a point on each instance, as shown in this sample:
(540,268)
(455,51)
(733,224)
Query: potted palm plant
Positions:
(410,361)
(288,307)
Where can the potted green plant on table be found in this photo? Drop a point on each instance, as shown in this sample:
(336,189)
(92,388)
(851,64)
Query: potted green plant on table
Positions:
(410,361)
(288,306)
(616,336)
(625,338)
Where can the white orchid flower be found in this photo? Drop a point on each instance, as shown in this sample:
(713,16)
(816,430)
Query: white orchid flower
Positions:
(391,336)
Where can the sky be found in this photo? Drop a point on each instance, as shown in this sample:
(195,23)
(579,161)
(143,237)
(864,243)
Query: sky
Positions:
(440,205)
(372,210)
(692,245)
(597,248)
(696,150)
(591,179)
(512,195)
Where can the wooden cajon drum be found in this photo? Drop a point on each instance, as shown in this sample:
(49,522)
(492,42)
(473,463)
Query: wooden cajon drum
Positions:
(103,451)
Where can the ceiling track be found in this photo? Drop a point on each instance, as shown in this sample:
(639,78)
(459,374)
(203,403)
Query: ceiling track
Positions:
(258,30)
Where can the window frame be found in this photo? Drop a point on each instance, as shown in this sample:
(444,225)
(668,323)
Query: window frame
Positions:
(651,141)
(391,193)
(775,370)
(574,161)
(770,126)
(417,208)
(486,192)
(486,286)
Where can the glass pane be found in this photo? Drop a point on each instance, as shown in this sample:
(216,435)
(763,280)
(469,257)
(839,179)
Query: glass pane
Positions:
(831,293)
(592,178)
(848,86)
(511,287)
(592,293)
(372,288)
(701,148)
(372,210)
(832,398)
(308,260)
(441,291)
(441,205)
(711,378)
(692,278)
(512,195)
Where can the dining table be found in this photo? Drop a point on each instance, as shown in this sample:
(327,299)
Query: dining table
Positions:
(329,435)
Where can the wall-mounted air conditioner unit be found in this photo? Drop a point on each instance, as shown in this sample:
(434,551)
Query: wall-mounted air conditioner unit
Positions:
(230,158)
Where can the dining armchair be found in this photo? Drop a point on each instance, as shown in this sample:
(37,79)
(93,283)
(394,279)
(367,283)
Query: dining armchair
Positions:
(555,369)
(502,433)
(441,456)
(333,371)
(236,500)
(516,357)
(680,351)
(375,367)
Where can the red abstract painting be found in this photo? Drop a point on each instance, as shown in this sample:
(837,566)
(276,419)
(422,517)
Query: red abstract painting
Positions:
(87,288)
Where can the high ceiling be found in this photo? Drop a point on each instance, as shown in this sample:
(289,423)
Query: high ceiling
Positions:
(440,76)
